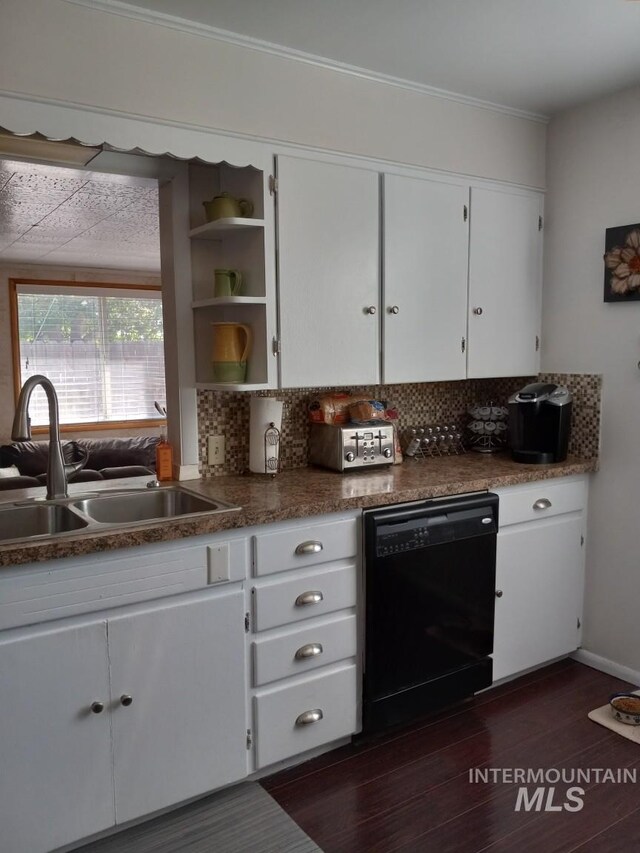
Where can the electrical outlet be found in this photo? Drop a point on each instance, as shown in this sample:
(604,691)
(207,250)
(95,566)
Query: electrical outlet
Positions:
(216,449)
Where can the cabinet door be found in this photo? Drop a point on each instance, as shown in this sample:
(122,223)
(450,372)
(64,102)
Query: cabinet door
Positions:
(55,753)
(505,281)
(184,732)
(539,570)
(425,280)
(328,274)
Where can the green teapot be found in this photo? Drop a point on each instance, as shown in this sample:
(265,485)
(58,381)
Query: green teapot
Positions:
(225,206)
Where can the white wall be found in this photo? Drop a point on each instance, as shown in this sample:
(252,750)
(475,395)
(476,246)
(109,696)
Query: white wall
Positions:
(51,273)
(593,185)
(56,50)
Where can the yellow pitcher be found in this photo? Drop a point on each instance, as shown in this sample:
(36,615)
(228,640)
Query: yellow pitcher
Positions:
(230,352)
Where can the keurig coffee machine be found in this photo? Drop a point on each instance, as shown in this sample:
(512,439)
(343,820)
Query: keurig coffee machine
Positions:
(539,423)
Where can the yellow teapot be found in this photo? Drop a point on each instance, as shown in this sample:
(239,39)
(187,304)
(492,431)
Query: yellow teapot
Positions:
(225,206)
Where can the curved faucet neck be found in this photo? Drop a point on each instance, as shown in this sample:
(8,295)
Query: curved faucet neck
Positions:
(21,431)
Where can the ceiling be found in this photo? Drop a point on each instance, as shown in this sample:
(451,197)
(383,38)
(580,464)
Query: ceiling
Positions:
(541,56)
(73,217)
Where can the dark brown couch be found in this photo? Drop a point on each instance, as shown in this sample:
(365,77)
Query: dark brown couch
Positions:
(108,459)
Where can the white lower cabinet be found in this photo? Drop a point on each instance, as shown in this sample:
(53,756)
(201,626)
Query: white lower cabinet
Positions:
(106,721)
(295,717)
(184,732)
(55,753)
(304,642)
(539,575)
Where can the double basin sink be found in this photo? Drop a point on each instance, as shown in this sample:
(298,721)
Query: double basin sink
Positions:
(31,519)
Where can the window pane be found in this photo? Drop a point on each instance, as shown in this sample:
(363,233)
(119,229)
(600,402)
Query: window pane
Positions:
(104,354)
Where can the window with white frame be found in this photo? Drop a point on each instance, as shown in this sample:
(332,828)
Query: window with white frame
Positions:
(101,345)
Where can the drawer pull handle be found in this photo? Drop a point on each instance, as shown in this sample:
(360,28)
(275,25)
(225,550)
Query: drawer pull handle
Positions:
(309,717)
(311,597)
(309,651)
(542,503)
(311,547)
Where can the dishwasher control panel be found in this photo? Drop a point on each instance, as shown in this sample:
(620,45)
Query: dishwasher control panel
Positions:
(433,528)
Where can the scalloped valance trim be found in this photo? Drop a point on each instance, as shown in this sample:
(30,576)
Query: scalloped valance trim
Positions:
(62,122)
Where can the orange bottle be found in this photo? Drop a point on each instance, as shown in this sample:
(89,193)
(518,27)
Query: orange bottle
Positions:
(164,460)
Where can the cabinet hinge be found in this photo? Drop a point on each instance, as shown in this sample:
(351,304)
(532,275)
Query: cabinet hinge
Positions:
(578,623)
(539,223)
(463,344)
(465,212)
(247,622)
(582,541)
(275,346)
(249,739)
(273,185)
(537,342)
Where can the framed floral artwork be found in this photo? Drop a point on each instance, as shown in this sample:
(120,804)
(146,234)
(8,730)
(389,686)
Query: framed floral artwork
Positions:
(622,264)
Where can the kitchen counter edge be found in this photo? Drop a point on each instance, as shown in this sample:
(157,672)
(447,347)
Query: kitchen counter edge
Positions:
(298,493)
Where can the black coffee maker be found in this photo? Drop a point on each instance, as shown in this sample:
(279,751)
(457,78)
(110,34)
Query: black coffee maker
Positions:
(539,423)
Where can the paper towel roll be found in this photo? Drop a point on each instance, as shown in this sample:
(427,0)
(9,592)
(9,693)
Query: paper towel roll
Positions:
(264,412)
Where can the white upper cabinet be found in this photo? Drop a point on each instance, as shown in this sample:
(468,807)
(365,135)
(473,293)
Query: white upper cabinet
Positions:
(505,267)
(328,273)
(425,279)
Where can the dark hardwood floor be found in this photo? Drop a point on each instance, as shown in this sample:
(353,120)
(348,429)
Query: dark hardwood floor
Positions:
(410,790)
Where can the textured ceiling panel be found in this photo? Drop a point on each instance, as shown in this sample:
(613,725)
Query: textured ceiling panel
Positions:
(69,216)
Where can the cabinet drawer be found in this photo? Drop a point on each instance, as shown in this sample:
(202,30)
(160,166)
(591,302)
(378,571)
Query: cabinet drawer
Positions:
(329,701)
(305,545)
(293,652)
(541,500)
(308,594)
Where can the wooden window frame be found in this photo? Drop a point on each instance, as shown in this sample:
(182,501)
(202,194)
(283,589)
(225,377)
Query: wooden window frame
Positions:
(15,351)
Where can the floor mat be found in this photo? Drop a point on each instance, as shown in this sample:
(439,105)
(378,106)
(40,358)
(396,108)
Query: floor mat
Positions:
(242,819)
(604,717)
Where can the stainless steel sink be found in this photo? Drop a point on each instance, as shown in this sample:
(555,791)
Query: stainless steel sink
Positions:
(35,518)
(25,522)
(126,508)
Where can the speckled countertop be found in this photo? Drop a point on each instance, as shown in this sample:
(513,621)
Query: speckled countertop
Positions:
(297,493)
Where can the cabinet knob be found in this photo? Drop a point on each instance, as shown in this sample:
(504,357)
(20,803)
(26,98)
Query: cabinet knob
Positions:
(311,597)
(97,707)
(477,311)
(126,700)
(394,309)
(371,309)
(310,547)
(309,717)
(310,650)
(499,593)
(542,503)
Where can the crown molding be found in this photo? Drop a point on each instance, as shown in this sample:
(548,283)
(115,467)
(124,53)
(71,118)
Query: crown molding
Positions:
(149,16)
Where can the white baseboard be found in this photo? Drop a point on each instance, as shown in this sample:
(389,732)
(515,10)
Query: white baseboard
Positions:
(605,665)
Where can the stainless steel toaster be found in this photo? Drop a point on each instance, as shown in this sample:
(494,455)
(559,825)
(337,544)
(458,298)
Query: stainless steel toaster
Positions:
(343,447)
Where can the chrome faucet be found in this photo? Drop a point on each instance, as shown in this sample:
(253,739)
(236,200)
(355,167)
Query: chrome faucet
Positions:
(57,470)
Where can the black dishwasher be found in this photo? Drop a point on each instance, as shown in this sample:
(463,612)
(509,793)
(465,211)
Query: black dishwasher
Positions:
(430,599)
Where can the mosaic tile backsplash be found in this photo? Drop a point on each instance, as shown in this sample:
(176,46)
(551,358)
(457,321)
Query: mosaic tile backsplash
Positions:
(227,413)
